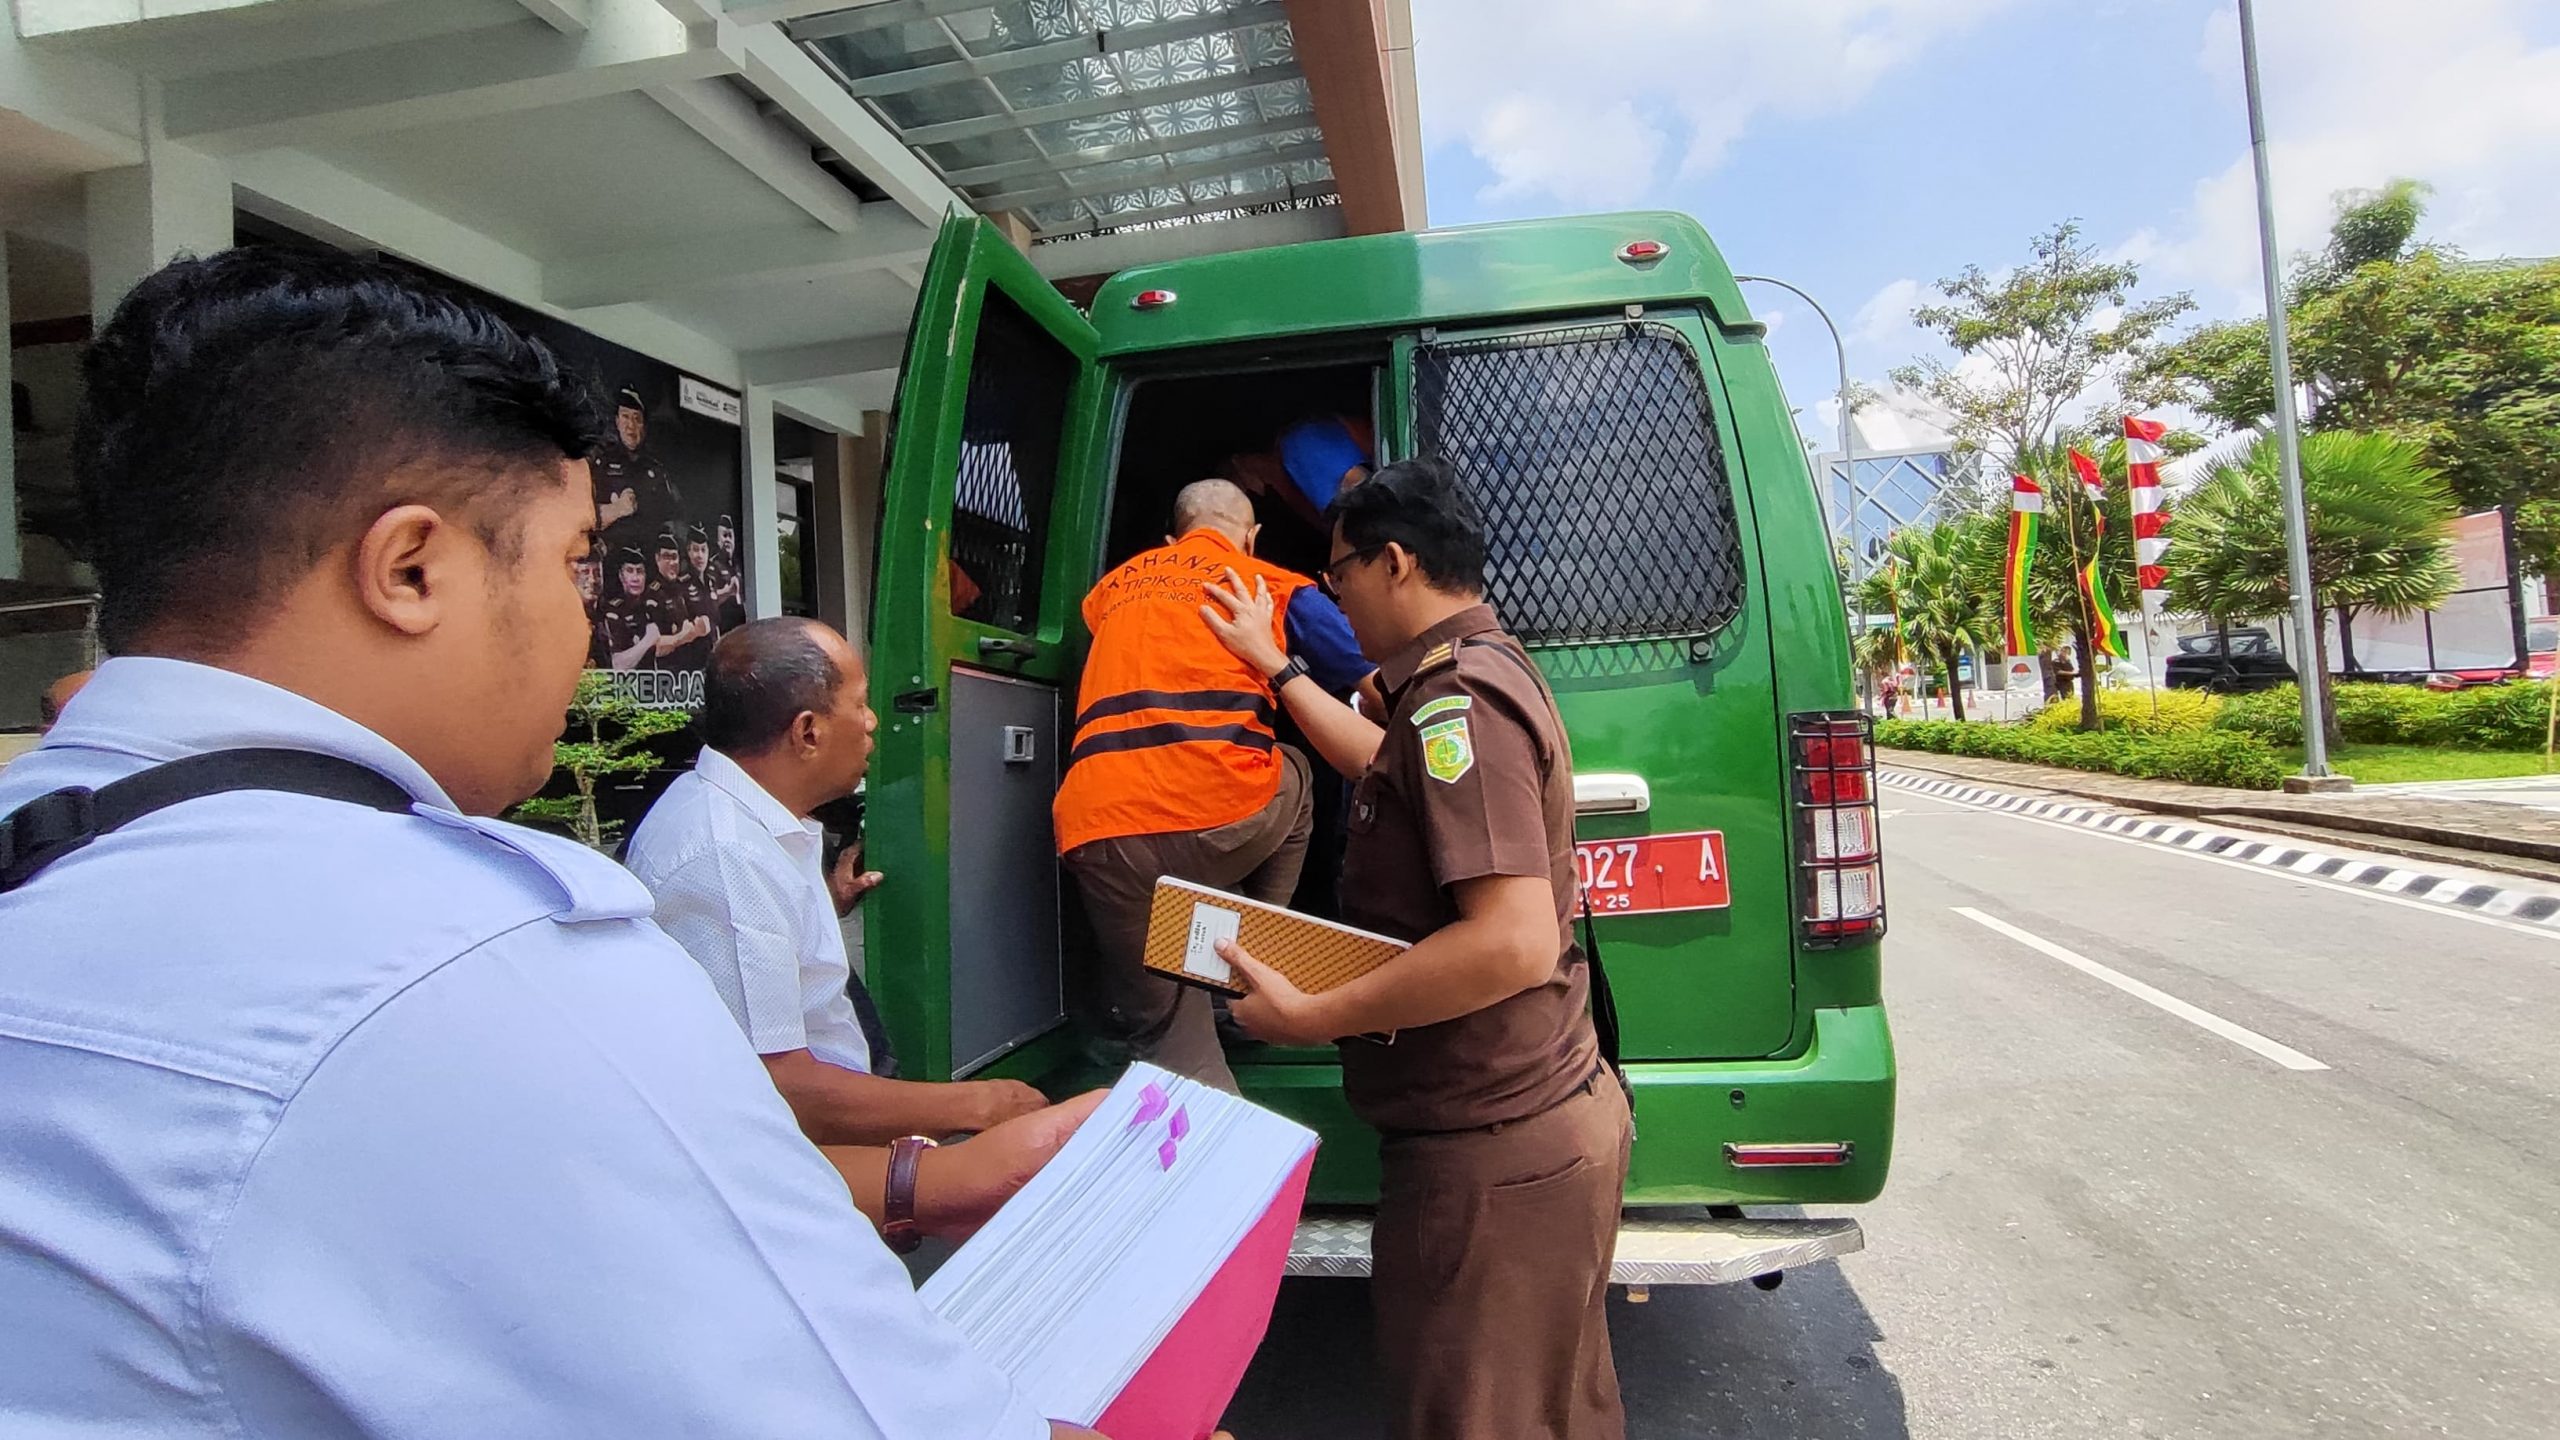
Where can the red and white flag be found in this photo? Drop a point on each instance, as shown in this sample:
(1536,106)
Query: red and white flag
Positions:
(2142,455)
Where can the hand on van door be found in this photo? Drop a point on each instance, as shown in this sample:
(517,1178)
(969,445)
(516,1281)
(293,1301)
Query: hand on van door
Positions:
(849,882)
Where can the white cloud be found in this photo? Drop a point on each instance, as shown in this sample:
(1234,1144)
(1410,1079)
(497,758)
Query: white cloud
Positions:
(1884,323)
(1585,102)
(1586,155)
(2358,93)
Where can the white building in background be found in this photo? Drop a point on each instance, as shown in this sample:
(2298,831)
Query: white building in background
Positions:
(1906,465)
(742,193)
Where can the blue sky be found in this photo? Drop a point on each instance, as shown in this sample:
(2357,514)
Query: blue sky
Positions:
(1864,148)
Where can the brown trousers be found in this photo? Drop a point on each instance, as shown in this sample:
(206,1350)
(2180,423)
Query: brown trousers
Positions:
(1162,1022)
(1490,1275)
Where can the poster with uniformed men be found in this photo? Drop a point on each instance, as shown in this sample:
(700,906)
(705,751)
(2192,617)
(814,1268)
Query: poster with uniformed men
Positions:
(664,579)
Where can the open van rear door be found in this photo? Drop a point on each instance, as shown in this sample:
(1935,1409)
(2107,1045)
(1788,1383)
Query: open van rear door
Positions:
(984,526)
(1623,553)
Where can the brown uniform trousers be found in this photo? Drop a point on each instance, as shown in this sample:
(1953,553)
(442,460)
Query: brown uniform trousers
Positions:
(1489,1245)
(1162,1022)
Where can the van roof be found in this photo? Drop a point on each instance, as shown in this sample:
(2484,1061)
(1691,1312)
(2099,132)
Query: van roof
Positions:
(1433,277)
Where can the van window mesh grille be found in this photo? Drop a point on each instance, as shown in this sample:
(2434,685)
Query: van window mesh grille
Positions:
(1593,454)
(1019,377)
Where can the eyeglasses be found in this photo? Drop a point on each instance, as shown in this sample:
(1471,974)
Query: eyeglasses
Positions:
(1326,579)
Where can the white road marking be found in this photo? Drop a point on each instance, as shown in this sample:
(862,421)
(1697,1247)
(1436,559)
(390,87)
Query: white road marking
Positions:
(2240,1035)
(2369,892)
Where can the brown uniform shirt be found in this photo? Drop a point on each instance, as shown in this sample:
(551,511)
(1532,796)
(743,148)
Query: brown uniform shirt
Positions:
(1473,779)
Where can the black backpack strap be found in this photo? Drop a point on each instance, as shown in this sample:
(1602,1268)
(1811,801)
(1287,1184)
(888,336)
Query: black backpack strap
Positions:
(1604,1004)
(55,824)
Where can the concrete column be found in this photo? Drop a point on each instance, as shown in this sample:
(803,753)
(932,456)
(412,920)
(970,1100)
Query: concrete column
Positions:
(865,456)
(758,527)
(12,558)
(143,216)
(848,512)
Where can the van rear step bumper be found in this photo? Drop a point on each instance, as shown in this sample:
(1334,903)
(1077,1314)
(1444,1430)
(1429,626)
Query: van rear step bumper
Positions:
(1688,1248)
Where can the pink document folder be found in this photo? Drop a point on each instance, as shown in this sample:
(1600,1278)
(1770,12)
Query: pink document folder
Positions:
(1182,1389)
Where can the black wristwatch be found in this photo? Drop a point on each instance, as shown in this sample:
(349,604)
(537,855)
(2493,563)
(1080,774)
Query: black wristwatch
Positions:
(1296,667)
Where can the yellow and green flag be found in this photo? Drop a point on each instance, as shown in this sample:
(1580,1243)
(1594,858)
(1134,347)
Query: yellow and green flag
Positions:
(2026,520)
(2093,591)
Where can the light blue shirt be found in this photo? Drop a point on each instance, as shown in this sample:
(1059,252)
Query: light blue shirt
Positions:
(317,1121)
(739,885)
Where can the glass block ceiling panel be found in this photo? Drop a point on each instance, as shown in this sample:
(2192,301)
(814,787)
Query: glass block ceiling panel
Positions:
(1085,115)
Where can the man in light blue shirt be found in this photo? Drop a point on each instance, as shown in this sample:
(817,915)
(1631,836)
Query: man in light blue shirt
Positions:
(332,1121)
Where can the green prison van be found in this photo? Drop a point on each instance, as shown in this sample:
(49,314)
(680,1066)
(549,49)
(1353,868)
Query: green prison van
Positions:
(1657,542)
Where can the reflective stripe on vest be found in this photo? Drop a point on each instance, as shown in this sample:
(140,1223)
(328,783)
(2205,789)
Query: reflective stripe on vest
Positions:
(1172,732)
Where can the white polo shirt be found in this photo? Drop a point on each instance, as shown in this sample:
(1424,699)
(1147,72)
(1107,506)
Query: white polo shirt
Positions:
(739,885)
(317,1121)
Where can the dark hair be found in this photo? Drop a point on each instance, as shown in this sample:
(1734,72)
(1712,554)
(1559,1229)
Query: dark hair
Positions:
(761,677)
(1419,505)
(246,413)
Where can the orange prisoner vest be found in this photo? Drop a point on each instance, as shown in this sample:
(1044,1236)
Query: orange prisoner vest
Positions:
(1172,732)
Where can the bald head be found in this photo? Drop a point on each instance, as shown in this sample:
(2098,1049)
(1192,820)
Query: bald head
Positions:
(764,675)
(1216,504)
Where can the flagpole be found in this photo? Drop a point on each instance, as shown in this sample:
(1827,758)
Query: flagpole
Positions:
(2150,671)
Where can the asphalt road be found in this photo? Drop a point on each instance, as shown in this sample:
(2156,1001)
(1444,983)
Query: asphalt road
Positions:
(2113,1218)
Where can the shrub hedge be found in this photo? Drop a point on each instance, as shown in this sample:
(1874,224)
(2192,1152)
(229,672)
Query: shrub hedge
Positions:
(2202,757)
(2490,717)
(2179,712)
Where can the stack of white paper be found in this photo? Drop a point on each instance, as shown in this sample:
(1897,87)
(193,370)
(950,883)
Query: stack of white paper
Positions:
(1084,1271)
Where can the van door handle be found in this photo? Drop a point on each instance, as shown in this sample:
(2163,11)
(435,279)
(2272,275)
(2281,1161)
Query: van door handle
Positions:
(1611,794)
(993,645)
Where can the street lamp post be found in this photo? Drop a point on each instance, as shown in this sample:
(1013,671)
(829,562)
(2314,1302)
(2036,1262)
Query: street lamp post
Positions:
(1848,455)
(1848,452)
(2297,527)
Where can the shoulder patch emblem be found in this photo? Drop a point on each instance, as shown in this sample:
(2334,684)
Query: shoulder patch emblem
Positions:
(1441,706)
(1448,752)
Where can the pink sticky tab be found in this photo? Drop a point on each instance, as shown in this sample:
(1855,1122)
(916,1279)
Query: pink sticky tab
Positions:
(1151,1103)
(1164,1155)
(1180,1124)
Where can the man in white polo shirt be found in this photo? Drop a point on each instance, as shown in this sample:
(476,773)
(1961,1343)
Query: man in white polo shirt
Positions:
(733,858)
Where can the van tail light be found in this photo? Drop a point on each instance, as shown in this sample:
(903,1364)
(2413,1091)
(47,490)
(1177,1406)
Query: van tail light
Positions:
(1839,842)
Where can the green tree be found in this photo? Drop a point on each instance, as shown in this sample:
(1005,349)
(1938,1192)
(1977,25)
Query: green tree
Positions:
(2069,537)
(2039,337)
(2379,518)
(2458,358)
(1942,579)
(608,734)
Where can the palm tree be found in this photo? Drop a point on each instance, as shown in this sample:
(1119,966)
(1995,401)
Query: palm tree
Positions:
(2379,516)
(1941,579)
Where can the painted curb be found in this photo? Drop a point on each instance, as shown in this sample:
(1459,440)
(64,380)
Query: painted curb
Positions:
(2528,906)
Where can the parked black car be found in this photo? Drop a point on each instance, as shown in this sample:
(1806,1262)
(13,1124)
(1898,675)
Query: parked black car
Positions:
(2232,662)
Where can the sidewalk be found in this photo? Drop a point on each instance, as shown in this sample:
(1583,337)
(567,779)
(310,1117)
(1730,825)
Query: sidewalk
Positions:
(2434,822)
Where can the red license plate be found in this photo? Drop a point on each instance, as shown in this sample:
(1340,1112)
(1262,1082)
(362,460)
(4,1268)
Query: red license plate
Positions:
(1652,874)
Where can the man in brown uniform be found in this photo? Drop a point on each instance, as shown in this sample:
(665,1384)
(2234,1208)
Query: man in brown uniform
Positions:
(1504,1139)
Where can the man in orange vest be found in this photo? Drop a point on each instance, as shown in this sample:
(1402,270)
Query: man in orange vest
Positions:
(1174,768)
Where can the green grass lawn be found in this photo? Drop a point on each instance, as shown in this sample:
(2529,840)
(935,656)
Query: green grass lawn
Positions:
(2402,764)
